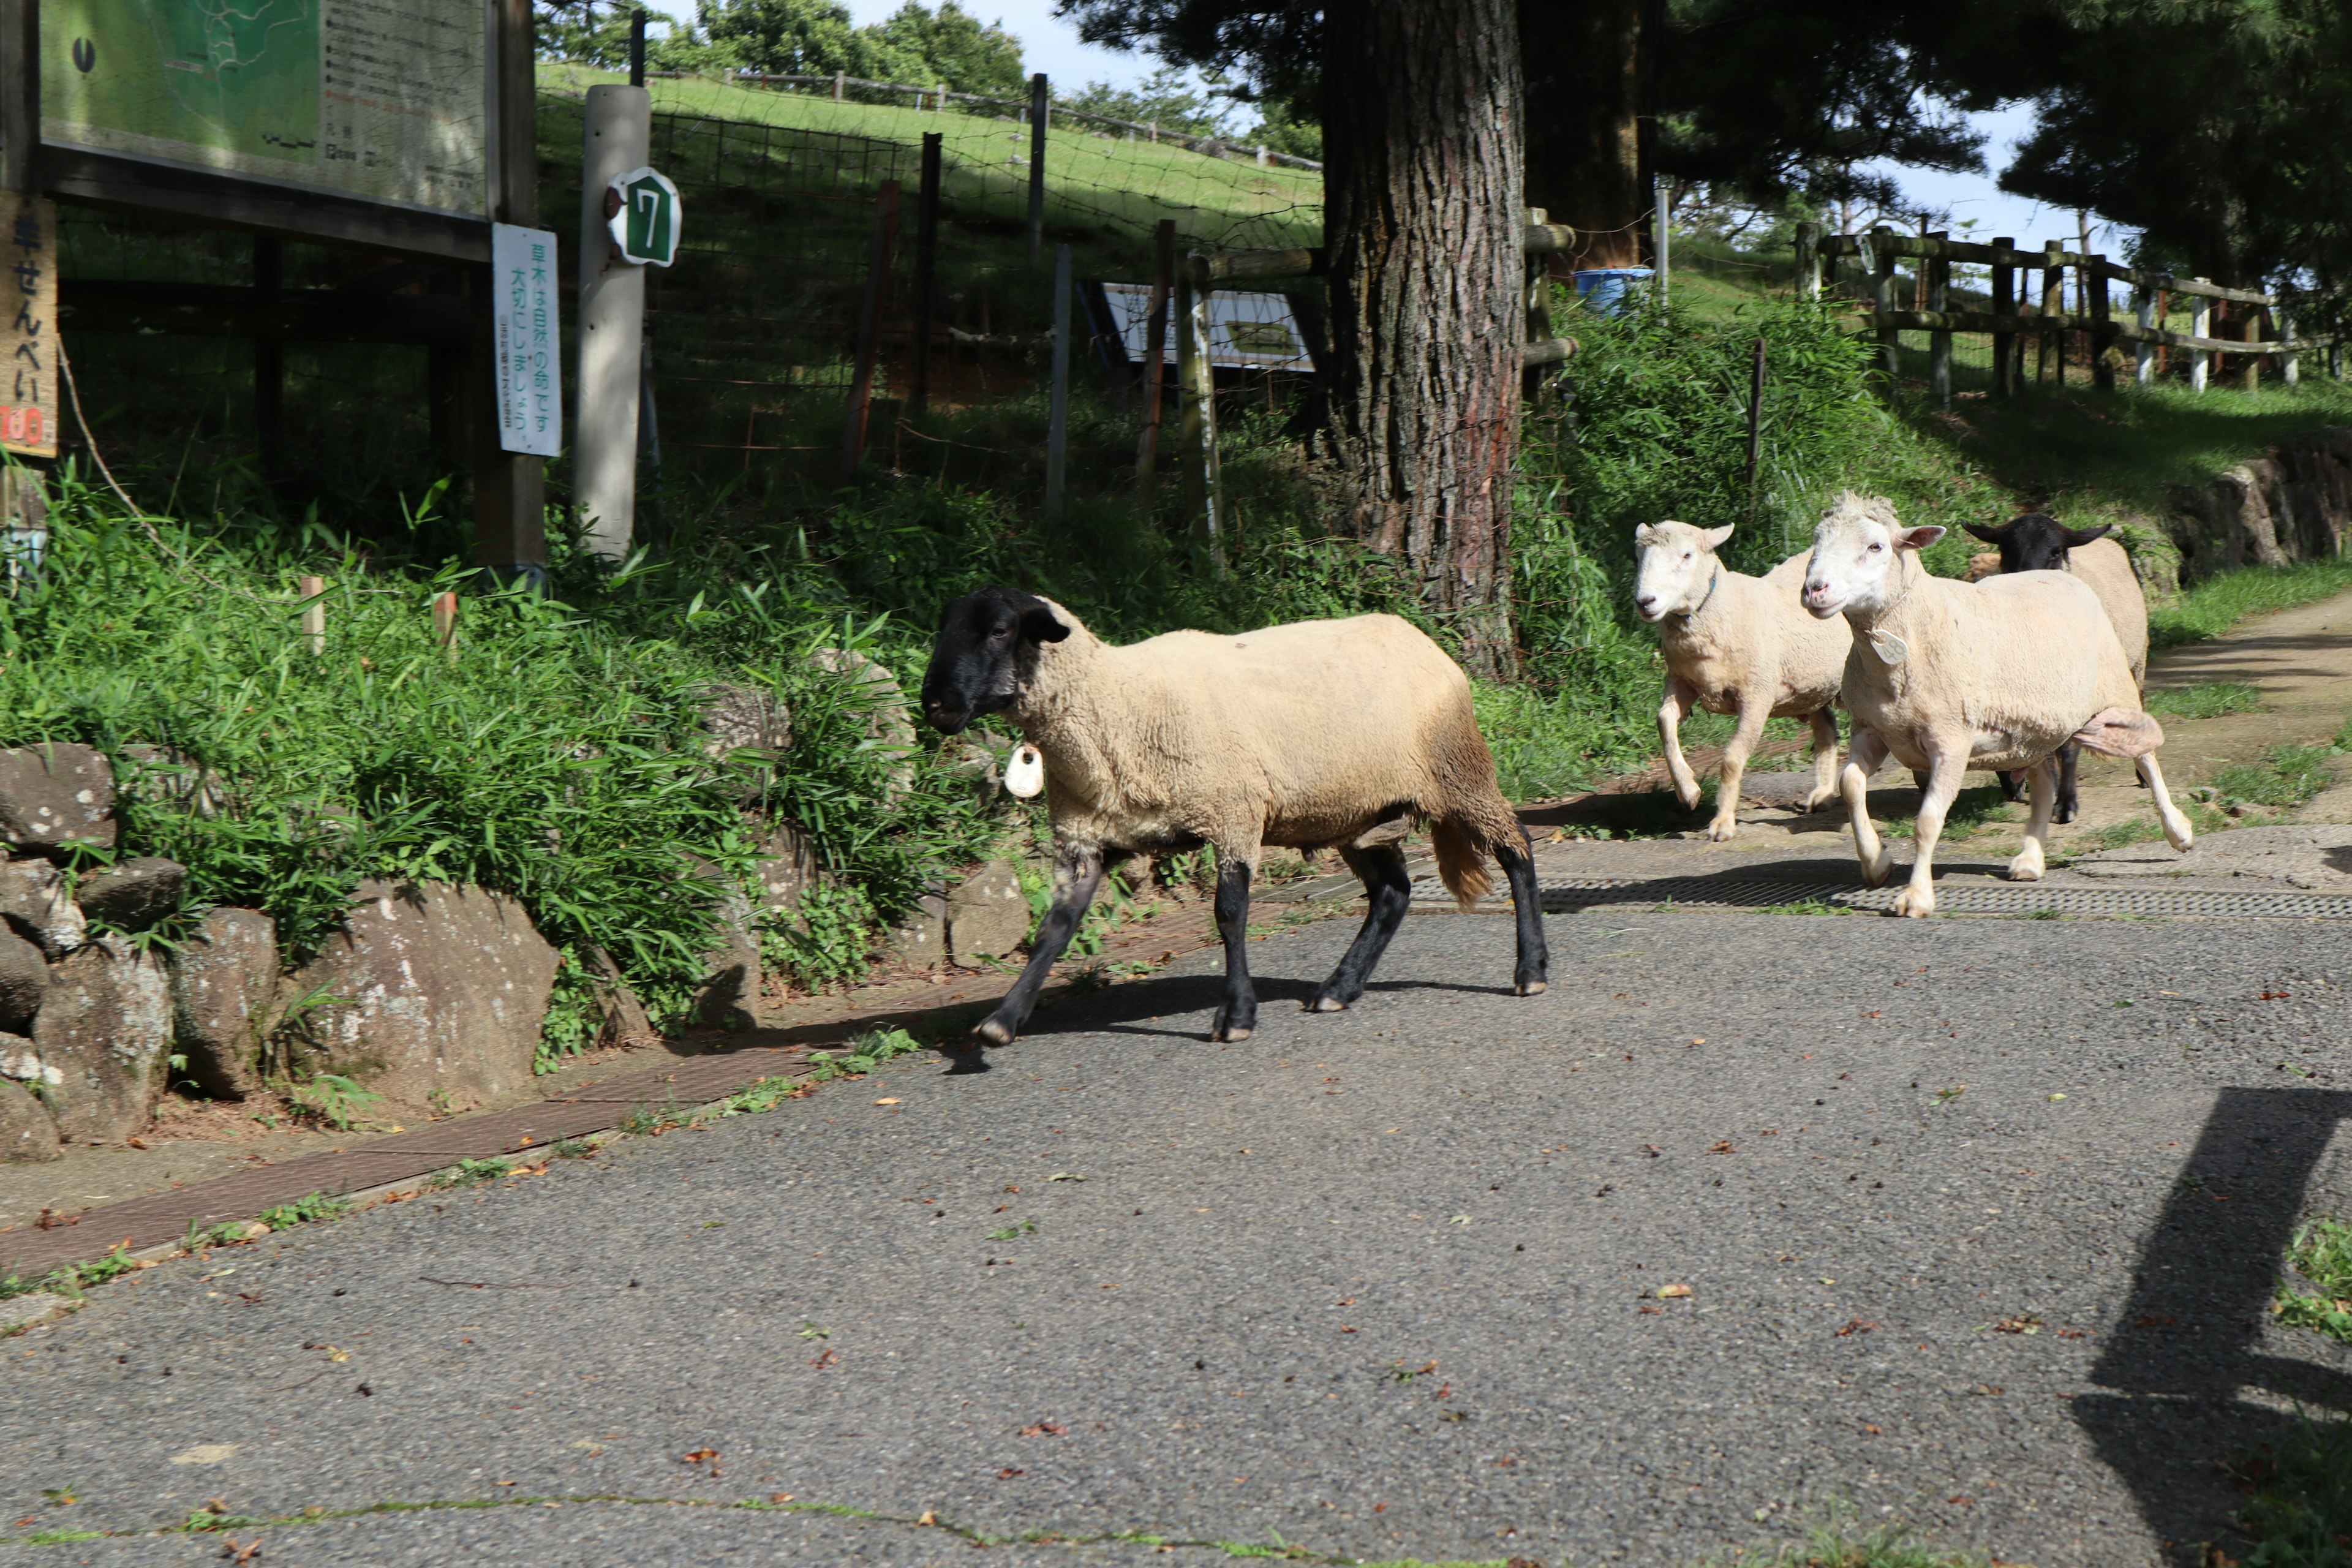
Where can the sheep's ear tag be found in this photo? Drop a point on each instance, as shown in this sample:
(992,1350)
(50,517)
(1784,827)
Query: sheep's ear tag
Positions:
(1890,648)
(1025,774)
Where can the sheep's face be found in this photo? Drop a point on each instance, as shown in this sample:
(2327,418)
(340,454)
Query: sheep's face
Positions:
(2036,542)
(1677,567)
(977,660)
(1852,569)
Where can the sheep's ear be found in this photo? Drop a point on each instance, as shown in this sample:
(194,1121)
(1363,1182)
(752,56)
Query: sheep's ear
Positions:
(1989,533)
(1643,533)
(2077,537)
(1038,625)
(1916,538)
(1715,536)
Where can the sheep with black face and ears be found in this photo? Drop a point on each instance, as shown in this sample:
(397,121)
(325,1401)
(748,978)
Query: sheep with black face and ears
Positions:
(2036,542)
(1735,644)
(1949,676)
(1318,734)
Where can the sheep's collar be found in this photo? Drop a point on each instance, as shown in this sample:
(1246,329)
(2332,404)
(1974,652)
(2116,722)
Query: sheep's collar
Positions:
(1712,583)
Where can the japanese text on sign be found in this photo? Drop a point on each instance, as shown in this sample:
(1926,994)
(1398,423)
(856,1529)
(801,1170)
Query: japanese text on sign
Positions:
(28,325)
(531,378)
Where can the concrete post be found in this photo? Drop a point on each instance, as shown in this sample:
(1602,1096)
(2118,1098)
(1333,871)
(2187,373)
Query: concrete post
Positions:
(616,138)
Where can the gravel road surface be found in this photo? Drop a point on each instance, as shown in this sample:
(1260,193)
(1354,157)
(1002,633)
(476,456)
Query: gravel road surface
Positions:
(1969,1224)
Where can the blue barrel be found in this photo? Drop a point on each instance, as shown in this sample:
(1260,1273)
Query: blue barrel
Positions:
(1603,290)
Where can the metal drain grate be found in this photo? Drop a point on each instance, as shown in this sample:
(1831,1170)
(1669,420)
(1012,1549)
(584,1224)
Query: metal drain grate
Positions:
(2022,899)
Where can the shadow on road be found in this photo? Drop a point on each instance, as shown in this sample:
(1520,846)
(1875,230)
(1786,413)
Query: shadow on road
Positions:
(2190,1336)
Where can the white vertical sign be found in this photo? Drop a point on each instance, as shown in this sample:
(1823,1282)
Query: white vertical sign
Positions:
(529,372)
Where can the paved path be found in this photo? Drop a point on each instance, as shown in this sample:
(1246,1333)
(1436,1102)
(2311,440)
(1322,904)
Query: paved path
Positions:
(1384,1282)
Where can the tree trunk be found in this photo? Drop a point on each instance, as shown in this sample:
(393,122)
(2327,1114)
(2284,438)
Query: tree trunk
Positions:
(1586,69)
(1424,212)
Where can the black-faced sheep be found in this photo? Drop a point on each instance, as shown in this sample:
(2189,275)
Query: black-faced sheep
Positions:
(1949,676)
(1735,644)
(1324,733)
(2036,542)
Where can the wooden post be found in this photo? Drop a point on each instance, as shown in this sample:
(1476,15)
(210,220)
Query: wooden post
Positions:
(1040,111)
(268,362)
(1538,275)
(510,487)
(2289,372)
(2200,325)
(1936,282)
(616,137)
(1755,415)
(1881,301)
(926,258)
(2251,376)
(2163,319)
(1808,261)
(1057,424)
(1155,357)
(1198,380)
(2142,352)
(2103,337)
(20,93)
(314,611)
(2005,303)
(1661,241)
(445,623)
(2053,311)
(869,330)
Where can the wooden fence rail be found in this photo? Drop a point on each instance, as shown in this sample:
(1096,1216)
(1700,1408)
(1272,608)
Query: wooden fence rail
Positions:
(2014,317)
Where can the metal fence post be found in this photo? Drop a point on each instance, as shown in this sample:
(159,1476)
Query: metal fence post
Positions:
(2004,304)
(927,256)
(1040,111)
(1155,357)
(870,329)
(1058,427)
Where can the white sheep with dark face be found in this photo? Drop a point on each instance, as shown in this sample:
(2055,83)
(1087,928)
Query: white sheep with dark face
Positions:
(1735,644)
(1951,675)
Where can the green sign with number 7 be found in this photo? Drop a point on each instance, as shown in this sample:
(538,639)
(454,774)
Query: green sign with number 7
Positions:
(641,209)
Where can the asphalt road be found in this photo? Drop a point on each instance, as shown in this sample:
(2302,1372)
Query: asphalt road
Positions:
(1380,1283)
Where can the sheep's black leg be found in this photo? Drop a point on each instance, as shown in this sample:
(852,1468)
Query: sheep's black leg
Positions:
(2069,755)
(1390,894)
(1238,1015)
(2013,782)
(1533,970)
(1077,872)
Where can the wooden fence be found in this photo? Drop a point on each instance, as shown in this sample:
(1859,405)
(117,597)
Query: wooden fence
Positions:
(2015,319)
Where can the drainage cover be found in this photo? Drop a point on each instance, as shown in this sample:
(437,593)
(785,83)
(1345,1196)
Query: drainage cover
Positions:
(2024,898)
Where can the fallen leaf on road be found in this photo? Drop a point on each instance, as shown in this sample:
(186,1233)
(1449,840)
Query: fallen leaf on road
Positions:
(928,1517)
(780,1496)
(2074,1333)
(142,1143)
(1875,1013)
(1073,1177)
(1006,1474)
(1346,1330)
(698,1456)
(1654,1311)
(1043,1429)
(1874,1431)
(888,1099)
(2022,1323)
(1672,1292)
(1855,1326)
(827,1360)
(1722,1148)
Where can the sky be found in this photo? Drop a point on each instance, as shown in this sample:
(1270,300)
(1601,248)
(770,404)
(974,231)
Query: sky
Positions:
(1051,44)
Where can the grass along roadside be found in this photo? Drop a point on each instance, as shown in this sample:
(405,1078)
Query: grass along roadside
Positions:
(2220,602)
(2298,1508)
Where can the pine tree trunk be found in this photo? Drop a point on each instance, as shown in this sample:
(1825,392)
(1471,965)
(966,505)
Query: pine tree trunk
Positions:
(1586,65)
(1423,213)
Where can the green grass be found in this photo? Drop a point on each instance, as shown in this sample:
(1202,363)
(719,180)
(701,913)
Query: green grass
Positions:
(2322,1255)
(2298,1508)
(2286,777)
(1840,1545)
(2210,700)
(1806,907)
(2220,602)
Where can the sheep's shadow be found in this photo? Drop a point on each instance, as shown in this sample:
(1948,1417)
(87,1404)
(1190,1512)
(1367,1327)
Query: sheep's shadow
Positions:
(2190,1336)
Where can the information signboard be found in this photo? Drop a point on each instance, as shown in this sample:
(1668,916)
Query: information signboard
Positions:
(524,325)
(386,100)
(28,326)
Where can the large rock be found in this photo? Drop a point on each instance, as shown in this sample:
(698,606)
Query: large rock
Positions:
(988,915)
(748,730)
(2292,503)
(730,997)
(788,867)
(625,1023)
(54,794)
(33,901)
(889,726)
(223,981)
(133,894)
(919,938)
(103,1029)
(26,1129)
(158,775)
(24,981)
(442,991)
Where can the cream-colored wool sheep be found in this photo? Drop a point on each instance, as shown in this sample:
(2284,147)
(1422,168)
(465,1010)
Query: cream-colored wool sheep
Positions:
(1324,733)
(2107,566)
(1947,676)
(1740,645)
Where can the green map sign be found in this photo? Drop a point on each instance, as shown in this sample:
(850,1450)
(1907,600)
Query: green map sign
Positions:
(387,99)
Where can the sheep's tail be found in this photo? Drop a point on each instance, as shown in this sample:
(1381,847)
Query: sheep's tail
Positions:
(1461,860)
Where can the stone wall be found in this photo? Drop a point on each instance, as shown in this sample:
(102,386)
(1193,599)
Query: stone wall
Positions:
(2292,503)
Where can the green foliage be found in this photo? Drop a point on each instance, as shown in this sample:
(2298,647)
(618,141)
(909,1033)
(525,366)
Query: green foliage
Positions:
(2286,775)
(2298,1508)
(470,1174)
(2210,701)
(952,46)
(332,1099)
(865,1053)
(2222,601)
(303,1211)
(2322,1254)
(1168,97)
(826,940)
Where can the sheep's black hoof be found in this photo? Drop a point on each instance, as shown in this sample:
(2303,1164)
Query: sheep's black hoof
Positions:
(1532,987)
(992,1031)
(2067,813)
(1233,1029)
(1327,1002)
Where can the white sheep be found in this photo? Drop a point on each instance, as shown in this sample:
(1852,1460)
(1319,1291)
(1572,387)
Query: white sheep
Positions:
(1949,676)
(1740,645)
(1323,733)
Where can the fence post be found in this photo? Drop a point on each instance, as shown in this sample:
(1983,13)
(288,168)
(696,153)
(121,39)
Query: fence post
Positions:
(1198,379)
(1882,304)
(1808,261)
(2142,352)
(314,611)
(2094,282)
(1040,111)
(838,79)
(1155,357)
(445,623)
(2004,304)
(1755,415)
(926,258)
(2251,376)
(2289,371)
(1939,280)
(1057,425)
(1660,239)
(2053,311)
(2200,325)
(616,138)
(870,329)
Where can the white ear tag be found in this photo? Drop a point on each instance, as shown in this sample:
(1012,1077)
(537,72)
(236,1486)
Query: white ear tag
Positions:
(1890,648)
(1025,776)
